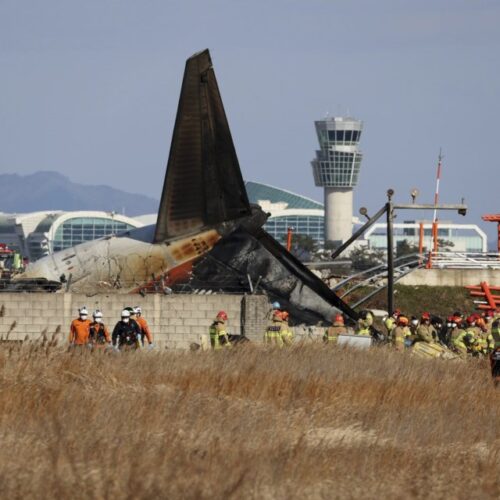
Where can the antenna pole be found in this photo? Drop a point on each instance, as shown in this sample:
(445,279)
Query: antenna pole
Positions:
(436,200)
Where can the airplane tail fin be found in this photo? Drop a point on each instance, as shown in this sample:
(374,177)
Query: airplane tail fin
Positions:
(203,184)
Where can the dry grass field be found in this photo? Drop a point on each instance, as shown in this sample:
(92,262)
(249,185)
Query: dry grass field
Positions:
(306,422)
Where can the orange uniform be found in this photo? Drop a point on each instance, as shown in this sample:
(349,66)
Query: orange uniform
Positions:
(99,333)
(79,331)
(143,325)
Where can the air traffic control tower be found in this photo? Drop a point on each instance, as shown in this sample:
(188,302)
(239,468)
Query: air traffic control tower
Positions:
(336,169)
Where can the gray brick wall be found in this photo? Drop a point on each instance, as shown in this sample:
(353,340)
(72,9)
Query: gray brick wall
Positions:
(175,320)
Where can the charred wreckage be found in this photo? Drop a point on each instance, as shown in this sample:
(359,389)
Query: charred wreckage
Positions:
(207,234)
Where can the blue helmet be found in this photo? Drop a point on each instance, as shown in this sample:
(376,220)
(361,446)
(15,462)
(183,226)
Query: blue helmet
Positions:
(276,305)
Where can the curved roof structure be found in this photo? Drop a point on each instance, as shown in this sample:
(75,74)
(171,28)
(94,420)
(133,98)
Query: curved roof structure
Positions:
(288,210)
(258,192)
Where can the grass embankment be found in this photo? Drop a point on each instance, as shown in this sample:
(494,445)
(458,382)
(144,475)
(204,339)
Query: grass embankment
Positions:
(306,422)
(413,300)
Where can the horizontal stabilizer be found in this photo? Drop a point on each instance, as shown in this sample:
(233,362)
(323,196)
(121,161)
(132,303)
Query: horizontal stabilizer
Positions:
(203,184)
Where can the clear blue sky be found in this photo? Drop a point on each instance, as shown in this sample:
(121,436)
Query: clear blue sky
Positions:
(90,88)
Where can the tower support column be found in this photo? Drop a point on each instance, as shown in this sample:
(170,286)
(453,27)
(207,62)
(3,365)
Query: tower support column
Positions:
(338,214)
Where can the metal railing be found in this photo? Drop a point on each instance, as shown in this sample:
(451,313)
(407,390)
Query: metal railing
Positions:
(463,260)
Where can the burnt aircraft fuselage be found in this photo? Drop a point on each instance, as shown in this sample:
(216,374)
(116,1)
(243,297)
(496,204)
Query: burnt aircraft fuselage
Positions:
(203,200)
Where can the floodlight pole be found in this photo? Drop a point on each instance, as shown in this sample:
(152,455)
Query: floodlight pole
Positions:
(390,207)
(390,251)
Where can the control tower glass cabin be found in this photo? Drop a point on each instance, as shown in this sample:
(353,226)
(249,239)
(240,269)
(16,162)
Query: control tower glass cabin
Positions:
(336,169)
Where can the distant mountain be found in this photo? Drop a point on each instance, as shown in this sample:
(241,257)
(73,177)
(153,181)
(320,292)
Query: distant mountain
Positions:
(53,191)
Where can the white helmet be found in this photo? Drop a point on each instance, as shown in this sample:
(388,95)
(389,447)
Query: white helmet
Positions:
(83,311)
(125,316)
(137,310)
(97,314)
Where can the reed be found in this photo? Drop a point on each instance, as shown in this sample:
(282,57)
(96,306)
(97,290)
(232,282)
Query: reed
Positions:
(304,422)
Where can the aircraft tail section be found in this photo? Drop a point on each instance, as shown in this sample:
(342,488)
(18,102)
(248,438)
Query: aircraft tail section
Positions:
(203,184)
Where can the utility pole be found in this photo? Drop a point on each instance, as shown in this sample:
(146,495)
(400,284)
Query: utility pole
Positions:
(390,251)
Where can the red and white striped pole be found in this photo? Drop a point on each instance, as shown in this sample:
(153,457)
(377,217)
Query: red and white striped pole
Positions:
(436,200)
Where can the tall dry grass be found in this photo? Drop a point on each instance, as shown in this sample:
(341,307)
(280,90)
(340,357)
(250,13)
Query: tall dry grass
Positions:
(306,422)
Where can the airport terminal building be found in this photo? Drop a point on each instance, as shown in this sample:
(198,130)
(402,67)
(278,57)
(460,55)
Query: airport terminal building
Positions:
(307,216)
(466,238)
(37,234)
(288,209)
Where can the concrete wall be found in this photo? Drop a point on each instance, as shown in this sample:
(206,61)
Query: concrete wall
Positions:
(176,320)
(451,277)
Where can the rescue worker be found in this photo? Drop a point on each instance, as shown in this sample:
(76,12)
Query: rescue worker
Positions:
(99,334)
(459,318)
(484,334)
(412,327)
(219,338)
(126,333)
(455,323)
(400,333)
(460,339)
(391,321)
(489,318)
(274,329)
(479,344)
(448,329)
(16,262)
(275,307)
(437,323)
(80,328)
(365,322)
(331,333)
(133,320)
(425,331)
(143,325)
(286,332)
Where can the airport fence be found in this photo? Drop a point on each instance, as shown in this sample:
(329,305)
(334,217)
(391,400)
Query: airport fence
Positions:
(463,260)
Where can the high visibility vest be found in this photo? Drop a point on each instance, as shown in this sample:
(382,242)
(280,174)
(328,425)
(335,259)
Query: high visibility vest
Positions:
(399,335)
(364,327)
(218,336)
(390,323)
(459,337)
(286,334)
(331,334)
(16,262)
(481,339)
(273,334)
(424,334)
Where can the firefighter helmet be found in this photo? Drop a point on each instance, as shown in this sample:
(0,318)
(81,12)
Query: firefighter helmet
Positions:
(402,320)
(338,319)
(222,315)
(471,320)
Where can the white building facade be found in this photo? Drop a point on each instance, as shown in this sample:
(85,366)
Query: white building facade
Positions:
(38,234)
